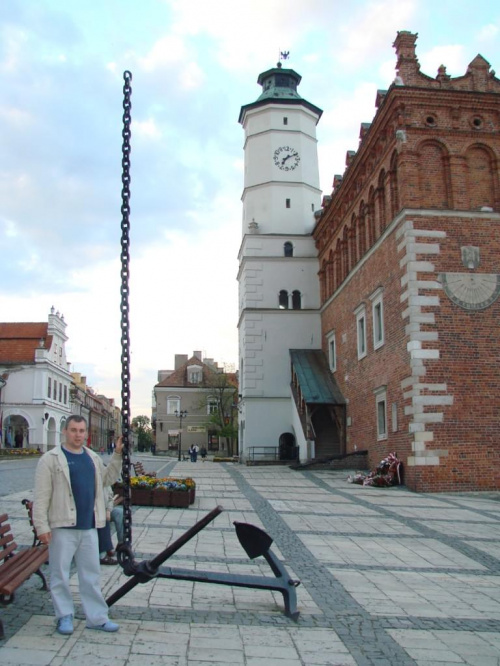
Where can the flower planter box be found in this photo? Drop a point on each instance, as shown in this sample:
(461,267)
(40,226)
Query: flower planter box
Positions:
(161,498)
(180,499)
(142,496)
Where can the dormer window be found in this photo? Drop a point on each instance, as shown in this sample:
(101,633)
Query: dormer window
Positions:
(194,374)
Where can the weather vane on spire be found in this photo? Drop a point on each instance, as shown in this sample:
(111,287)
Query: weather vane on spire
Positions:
(284,55)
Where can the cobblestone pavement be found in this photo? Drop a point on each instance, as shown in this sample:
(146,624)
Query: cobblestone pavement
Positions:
(388,577)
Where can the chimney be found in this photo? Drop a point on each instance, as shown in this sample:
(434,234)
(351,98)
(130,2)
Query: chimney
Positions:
(180,359)
(198,354)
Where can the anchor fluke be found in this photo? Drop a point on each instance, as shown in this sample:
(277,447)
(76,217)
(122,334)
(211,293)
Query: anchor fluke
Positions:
(254,541)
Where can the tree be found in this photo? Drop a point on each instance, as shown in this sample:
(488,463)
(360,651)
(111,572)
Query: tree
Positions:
(222,396)
(142,426)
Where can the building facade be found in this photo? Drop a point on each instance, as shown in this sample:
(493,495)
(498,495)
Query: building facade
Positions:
(35,400)
(408,249)
(38,392)
(410,276)
(193,405)
(278,264)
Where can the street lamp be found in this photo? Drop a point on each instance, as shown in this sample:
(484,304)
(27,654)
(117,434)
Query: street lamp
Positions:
(180,415)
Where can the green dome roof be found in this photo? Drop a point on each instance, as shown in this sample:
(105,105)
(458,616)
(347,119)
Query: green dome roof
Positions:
(279,85)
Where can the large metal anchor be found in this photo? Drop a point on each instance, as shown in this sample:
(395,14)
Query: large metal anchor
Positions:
(254,541)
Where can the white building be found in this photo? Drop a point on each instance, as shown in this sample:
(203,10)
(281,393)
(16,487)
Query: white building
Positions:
(279,296)
(35,399)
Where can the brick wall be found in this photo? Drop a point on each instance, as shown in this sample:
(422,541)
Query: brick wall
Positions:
(419,198)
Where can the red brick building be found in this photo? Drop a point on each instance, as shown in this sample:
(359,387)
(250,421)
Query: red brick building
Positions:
(409,255)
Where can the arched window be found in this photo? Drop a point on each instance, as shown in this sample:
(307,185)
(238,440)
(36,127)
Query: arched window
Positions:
(283,300)
(288,249)
(296,300)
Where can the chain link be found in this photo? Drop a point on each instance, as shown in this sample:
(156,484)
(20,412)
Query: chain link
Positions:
(126,555)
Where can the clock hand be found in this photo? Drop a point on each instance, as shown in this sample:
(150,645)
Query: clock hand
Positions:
(285,159)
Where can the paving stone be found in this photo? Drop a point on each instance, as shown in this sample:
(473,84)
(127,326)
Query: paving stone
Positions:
(388,577)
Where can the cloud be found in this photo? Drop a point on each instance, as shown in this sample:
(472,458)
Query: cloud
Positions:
(452,56)
(370,30)
(488,33)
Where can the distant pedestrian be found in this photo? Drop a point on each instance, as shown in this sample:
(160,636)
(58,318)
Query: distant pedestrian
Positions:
(203,453)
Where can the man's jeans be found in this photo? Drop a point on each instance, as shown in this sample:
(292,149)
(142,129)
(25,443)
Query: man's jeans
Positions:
(117,519)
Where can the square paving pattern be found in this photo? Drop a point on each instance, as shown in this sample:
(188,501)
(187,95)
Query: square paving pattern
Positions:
(387,577)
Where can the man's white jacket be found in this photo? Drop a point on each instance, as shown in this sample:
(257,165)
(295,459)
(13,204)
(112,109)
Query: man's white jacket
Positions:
(54,504)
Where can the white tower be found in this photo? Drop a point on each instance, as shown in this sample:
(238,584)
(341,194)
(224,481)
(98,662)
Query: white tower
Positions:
(279,296)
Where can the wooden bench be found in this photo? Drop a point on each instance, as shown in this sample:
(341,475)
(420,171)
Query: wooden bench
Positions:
(139,470)
(16,566)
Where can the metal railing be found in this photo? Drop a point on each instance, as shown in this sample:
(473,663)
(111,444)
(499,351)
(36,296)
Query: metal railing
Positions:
(263,453)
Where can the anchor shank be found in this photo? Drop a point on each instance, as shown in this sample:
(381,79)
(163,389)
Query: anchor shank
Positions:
(192,531)
(152,565)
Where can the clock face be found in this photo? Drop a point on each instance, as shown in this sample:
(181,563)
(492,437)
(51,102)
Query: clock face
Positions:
(286,158)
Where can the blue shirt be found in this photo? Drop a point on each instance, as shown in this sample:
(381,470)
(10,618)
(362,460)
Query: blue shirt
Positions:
(82,477)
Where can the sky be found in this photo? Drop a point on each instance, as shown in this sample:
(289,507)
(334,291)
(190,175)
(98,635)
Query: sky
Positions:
(194,64)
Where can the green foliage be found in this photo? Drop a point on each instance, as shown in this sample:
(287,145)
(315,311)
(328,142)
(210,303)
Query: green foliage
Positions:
(142,426)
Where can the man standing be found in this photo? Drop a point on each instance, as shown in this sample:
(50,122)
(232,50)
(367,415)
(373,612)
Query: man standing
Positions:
(69,505)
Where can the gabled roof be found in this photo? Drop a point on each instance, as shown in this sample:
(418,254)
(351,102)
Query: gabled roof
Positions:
(179,377)
(19,340)
(314,377)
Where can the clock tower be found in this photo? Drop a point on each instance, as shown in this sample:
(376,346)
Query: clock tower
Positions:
(279,296)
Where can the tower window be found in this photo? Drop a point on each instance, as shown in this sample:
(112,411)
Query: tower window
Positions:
(296,300)
(288,203)
(285,120)
(312,207)
(288,249)
(283,300)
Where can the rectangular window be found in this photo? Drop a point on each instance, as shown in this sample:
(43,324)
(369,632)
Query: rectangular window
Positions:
(49,387)
(332,351)
(60,392)
(361,330)
(65,395)
(288,203)
(378,318)
(54,393)
(173,405)
(285,120)
(212,406)
(381,407)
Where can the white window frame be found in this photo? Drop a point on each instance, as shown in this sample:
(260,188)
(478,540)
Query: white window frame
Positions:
(212,405)
(381,411)
(173,404)
(332,351)
(194,374)
(377,299)
(361,331)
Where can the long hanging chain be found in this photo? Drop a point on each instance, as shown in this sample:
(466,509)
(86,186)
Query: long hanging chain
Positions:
(126,556)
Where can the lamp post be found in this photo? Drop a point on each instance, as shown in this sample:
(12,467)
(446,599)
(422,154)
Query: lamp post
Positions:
(180,415)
